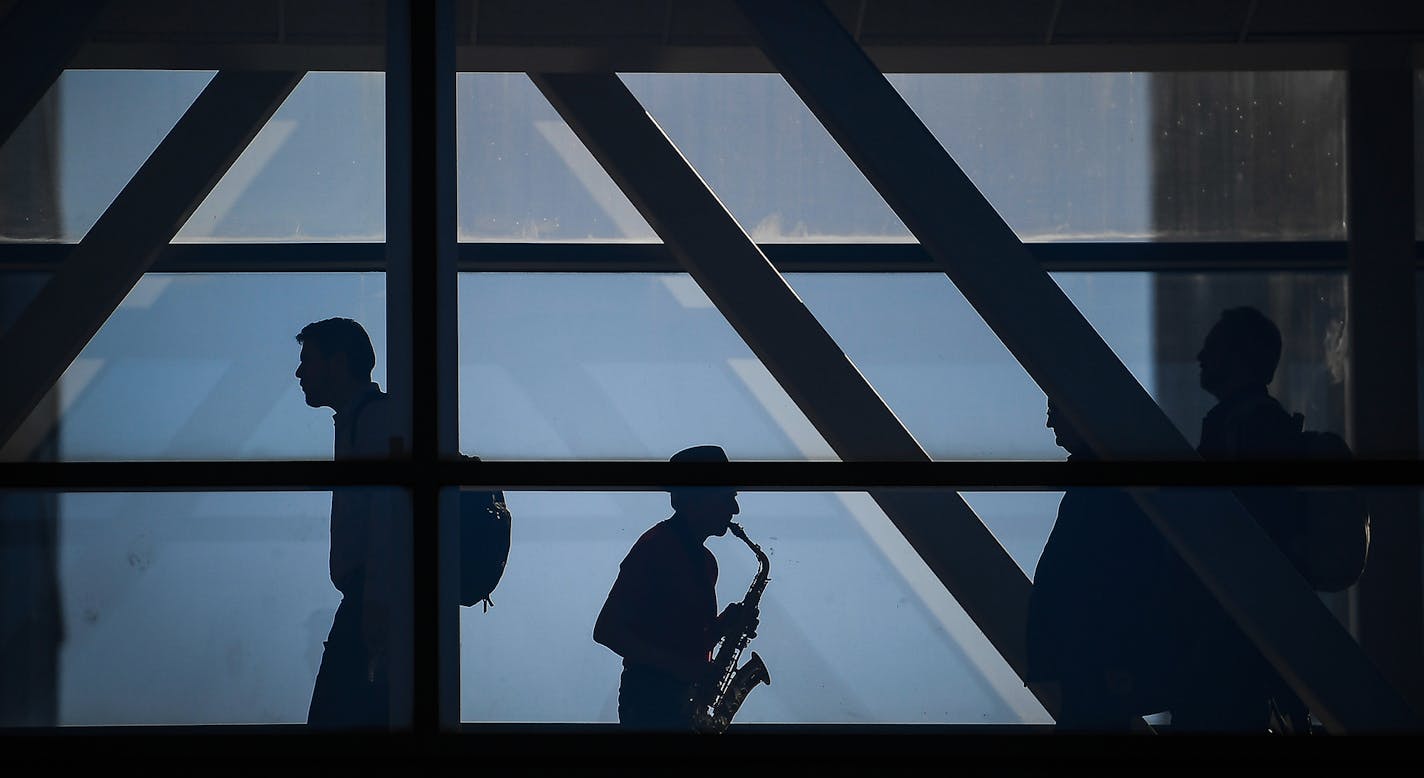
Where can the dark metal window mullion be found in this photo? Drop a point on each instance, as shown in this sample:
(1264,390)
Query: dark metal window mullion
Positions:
(1382,386)
(625,475)
(428,45)
(1284,256)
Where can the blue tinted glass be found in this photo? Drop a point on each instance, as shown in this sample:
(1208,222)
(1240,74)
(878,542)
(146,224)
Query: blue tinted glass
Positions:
(608,366)
(525,176)
(943,371)
(200,366)
(192,608)
(766,157)
(315,172)
(853,628)
(83,143)
(1061,156)
(1020,521)
(638,366)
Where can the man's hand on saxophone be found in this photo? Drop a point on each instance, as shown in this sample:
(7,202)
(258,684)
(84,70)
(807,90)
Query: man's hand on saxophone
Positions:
(736,619)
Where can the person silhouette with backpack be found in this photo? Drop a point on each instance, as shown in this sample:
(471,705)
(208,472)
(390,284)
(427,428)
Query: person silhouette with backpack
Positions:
(364,678)
(1224,684)
(365,659)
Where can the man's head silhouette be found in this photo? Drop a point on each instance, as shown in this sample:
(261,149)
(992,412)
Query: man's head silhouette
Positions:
(706,509)
(335,363)
(1240,353)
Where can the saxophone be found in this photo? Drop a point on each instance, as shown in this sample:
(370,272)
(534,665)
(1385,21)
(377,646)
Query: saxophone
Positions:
(714,707)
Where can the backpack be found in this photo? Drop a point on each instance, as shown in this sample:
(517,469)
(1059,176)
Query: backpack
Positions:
(1332,537)
(484,532)
(484,542)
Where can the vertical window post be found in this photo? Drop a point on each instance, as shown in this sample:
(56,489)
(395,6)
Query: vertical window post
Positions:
(421,305)
(1383,399)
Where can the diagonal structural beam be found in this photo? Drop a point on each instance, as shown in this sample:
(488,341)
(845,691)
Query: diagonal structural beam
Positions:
(126,240)
(37,39)
(1067,358)
(781,331)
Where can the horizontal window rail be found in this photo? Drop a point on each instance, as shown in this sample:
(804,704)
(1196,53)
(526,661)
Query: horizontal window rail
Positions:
(613,257)
(580,745)
(1325,47)
(639,475)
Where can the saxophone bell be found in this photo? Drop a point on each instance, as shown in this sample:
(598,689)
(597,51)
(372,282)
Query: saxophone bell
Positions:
(752,673)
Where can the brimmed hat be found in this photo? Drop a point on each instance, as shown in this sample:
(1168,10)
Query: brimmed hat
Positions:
(700,454)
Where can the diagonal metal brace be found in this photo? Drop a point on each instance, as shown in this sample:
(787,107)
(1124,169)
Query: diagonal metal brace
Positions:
(37,39)
(133,231)
(973,245)
(756,300)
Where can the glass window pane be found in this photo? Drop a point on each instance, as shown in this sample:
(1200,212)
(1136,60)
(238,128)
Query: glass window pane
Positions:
(200,366)
(525,176)
(1020,521)
(203,608)
(948,378)
(961,393)
(1248,156)
(174,608)
(316,171)
(1100,156)
(81,145)
(611,366)
(637,365)
(854,628)
(769,161)
(1061,156)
